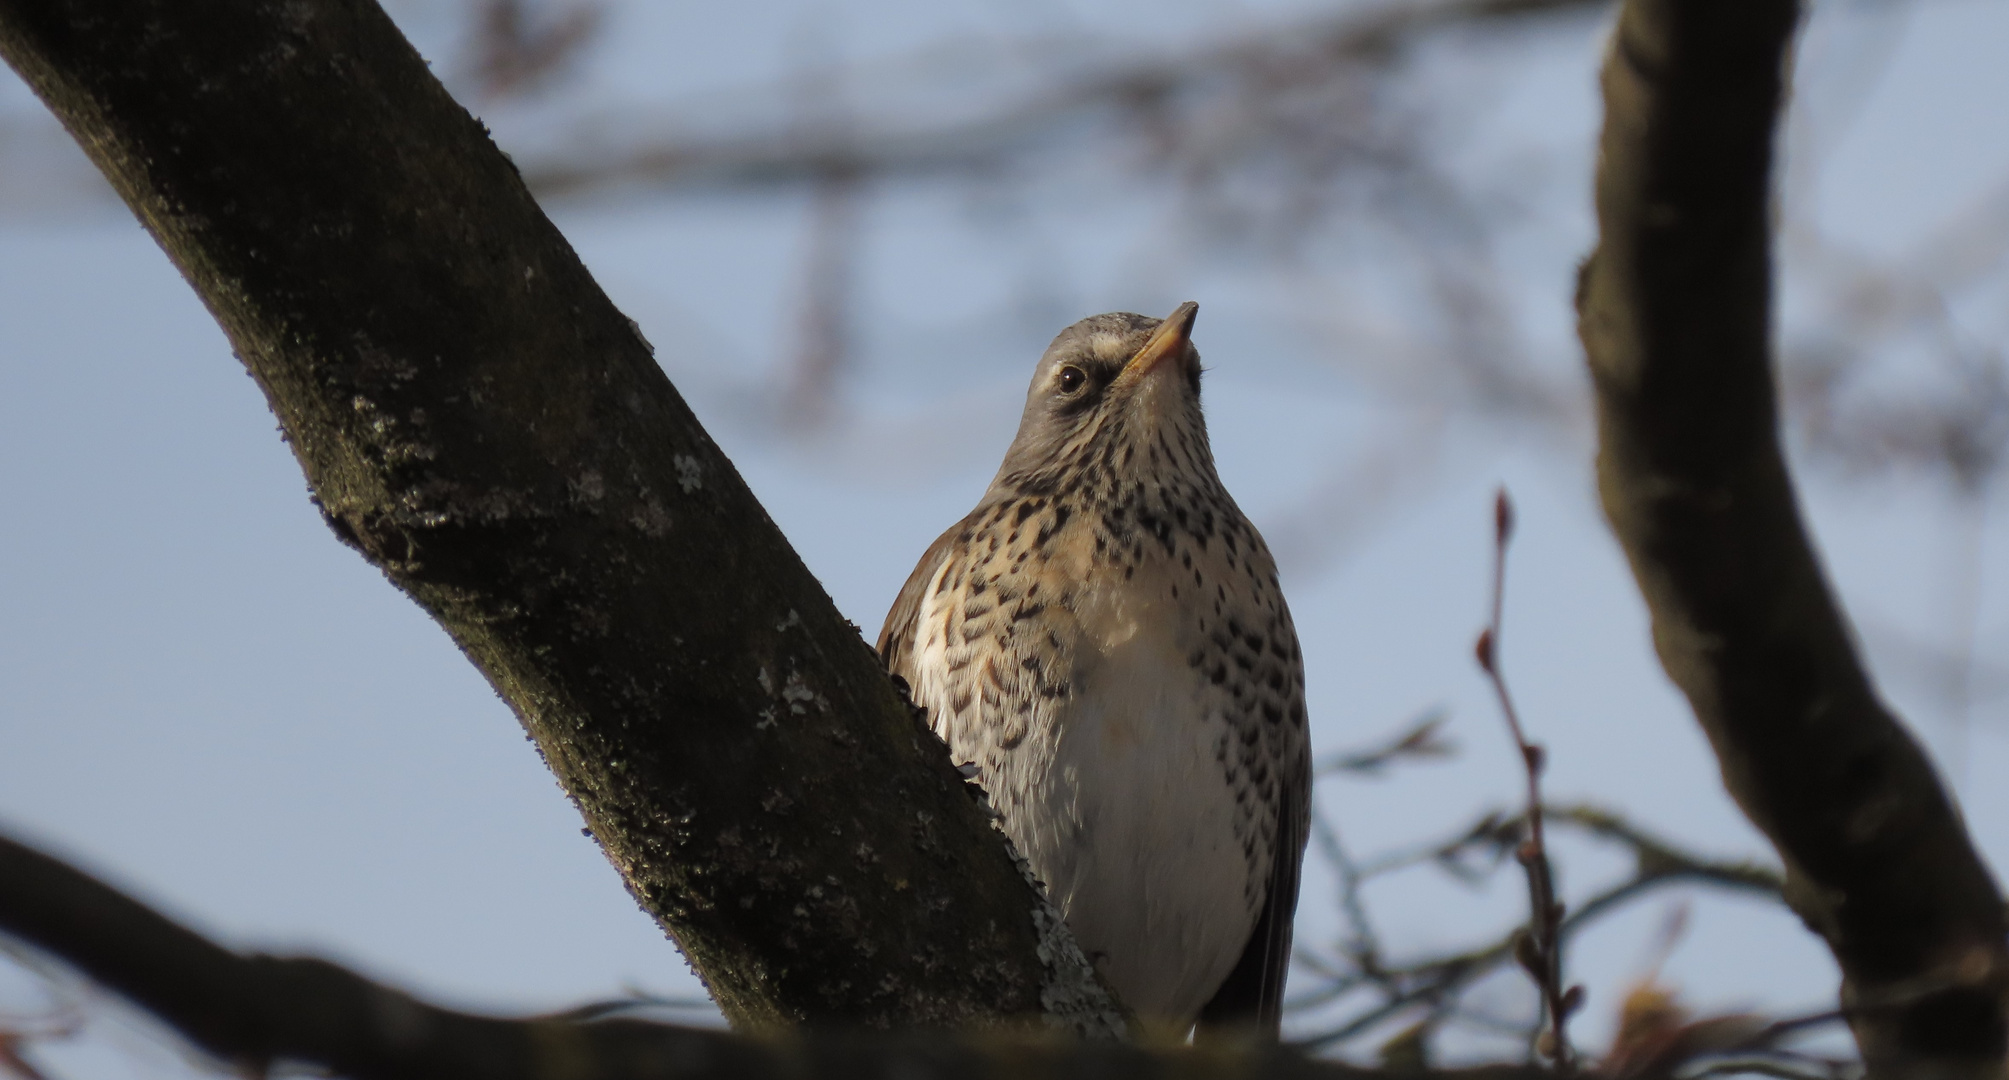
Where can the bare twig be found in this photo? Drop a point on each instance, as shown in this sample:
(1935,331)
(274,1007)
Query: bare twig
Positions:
(1422,738)
(1540,950)
(825,341)
(514,50)
(1435,983)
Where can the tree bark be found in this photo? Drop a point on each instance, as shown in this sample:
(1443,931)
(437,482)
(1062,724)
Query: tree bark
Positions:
(256,1011)
(1674,310)
(475,417)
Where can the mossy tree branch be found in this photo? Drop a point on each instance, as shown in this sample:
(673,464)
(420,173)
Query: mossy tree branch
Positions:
(477,419)
(1675,314)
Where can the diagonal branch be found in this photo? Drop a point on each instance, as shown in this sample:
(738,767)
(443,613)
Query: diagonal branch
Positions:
(476,418)
(1675,315)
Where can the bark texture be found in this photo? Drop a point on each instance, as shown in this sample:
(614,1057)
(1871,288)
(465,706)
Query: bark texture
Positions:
(1674,311)
(255,1011)
(477,419)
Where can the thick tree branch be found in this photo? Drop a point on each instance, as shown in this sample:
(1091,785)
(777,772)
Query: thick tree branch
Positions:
(254,1011)
(1674,310)
(478,420)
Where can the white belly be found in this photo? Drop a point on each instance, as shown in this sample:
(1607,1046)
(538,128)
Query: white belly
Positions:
(1116,793)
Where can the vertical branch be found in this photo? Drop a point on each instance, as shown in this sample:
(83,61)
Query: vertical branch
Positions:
(824,345)
(1674,309)
(1539,948)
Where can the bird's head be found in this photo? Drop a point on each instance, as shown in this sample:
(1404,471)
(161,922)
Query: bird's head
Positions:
(1109,390)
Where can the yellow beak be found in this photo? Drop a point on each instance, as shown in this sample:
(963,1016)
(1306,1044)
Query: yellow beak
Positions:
(1167,342)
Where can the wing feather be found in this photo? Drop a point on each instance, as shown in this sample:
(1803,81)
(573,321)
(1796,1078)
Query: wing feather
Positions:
(896,638)
(1253,994)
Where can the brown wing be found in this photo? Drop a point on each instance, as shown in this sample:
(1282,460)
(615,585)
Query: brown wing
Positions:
(1253,995)
(896,638)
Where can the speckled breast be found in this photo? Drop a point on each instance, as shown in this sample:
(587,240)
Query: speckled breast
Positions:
(1120,665)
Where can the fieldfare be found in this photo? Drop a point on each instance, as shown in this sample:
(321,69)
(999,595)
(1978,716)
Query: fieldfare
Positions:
(1103,638)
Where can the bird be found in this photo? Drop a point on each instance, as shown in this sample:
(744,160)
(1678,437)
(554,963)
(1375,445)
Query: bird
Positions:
(1103,644)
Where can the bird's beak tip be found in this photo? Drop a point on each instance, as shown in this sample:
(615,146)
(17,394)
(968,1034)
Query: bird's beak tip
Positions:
(1169,340)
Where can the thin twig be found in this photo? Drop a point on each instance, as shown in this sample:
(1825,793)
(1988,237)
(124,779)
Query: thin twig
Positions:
(1420,739)
(1436,982)
(1540,951)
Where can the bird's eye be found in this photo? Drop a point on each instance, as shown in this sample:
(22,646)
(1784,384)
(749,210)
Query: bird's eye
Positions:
(1071,379)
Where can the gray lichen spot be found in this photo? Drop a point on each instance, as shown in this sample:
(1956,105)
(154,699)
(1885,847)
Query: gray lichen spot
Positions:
(795,694)
(690,475)
(652,519)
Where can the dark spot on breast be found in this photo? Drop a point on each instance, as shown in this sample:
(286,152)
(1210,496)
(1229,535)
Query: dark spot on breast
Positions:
(1272,714)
